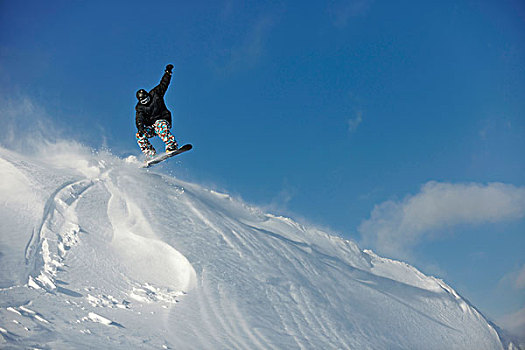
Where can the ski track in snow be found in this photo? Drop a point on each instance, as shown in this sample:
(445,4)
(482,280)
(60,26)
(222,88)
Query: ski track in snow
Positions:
(46,256)
(102,271)
(58,232)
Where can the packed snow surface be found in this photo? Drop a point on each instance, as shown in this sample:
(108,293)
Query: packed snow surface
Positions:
(97,253)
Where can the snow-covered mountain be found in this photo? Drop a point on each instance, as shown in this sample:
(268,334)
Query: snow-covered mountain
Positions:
(97,253)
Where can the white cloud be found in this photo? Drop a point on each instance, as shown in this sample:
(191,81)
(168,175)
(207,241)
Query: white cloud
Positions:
(396,226)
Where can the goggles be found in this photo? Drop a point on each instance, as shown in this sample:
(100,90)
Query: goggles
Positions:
(145,100)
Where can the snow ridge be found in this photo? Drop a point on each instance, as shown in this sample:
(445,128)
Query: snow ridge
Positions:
(99,253)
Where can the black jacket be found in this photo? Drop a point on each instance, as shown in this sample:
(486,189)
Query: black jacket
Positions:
(147,115)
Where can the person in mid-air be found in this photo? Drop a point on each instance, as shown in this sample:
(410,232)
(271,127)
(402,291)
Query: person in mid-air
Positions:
(153,118)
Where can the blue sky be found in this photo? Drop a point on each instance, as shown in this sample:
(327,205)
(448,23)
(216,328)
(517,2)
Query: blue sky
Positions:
(347,114)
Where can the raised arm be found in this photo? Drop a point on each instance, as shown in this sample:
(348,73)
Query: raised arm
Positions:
(165,81)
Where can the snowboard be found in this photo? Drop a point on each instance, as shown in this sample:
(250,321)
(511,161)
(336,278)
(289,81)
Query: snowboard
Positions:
(165,156)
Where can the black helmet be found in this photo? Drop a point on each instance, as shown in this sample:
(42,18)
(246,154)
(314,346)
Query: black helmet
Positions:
(143,96)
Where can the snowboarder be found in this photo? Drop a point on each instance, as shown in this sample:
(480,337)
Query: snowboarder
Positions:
(153,118)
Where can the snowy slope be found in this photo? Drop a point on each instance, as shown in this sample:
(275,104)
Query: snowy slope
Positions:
(96,253)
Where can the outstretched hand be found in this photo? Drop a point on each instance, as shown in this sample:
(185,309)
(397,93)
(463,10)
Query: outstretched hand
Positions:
(169,68)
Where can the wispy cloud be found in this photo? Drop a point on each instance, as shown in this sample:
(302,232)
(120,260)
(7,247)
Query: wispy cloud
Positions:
(514,323)
(341,11)
(514,279)
(353,123)
(494,126)
(394,227)
(250,46)
(513,283)
(520,280)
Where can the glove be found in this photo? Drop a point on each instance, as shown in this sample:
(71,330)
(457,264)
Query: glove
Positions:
(169,68)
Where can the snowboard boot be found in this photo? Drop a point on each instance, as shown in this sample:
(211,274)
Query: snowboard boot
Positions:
(172,148)
(150,153)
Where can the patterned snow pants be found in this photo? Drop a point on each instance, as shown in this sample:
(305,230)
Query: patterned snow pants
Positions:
(160,128)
